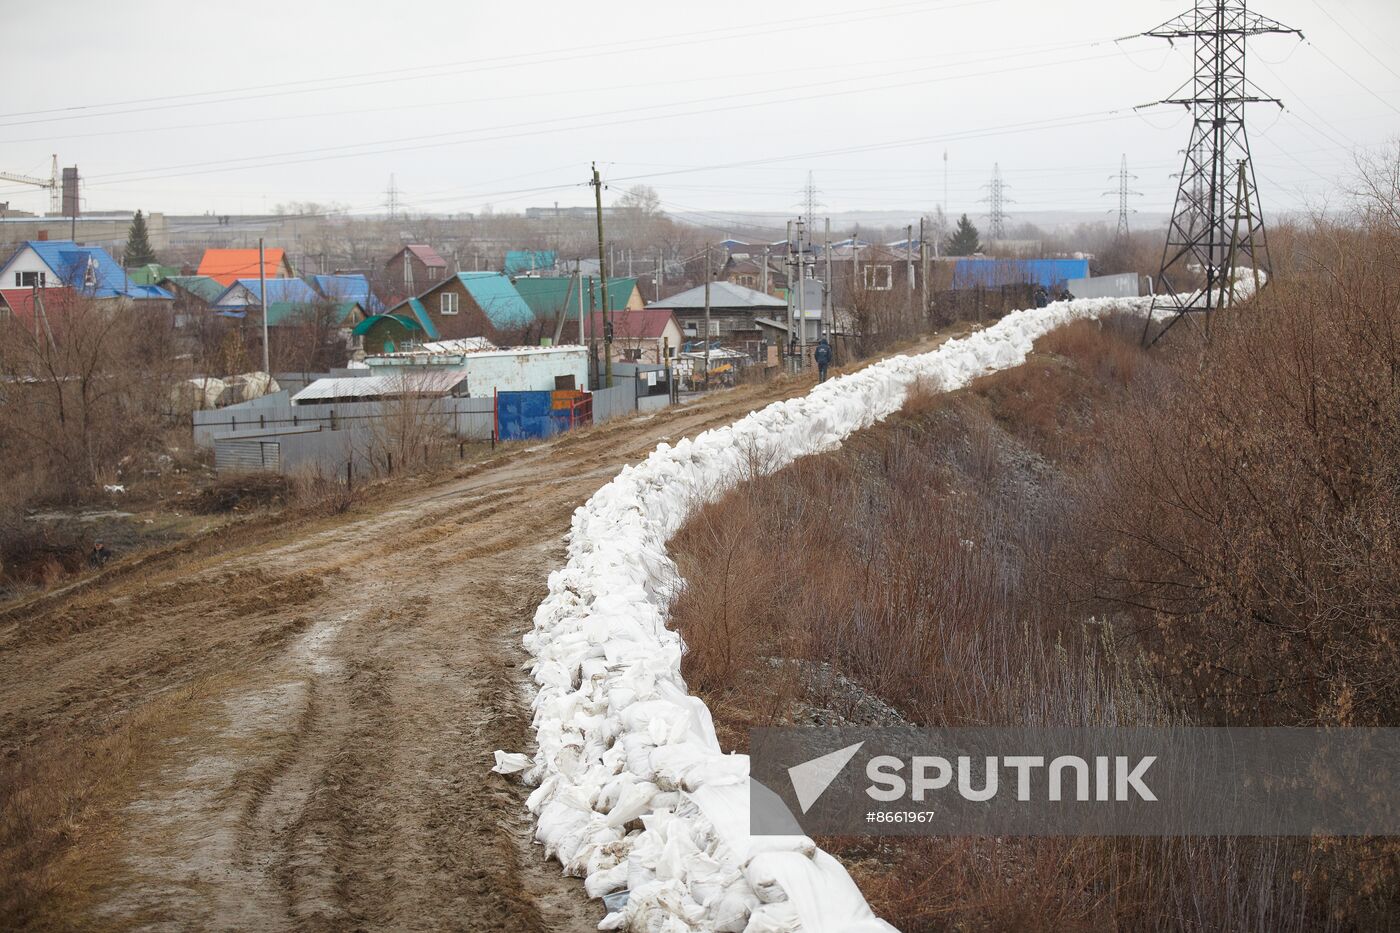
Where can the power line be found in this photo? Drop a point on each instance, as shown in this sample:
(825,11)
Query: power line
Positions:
(996,229)
(445,139)
(1123,194)
(522,60)
(1204,237)
(1365,48)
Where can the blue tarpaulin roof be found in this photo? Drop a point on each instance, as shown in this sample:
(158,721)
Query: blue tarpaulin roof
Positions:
(91,271)
(990,273)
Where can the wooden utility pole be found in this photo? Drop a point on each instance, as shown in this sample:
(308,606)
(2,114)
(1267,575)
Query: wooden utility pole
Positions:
(582,333)
(262,297)
(707,317)
(603,280)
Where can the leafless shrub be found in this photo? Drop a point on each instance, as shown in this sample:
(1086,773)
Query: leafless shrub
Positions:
(83,383)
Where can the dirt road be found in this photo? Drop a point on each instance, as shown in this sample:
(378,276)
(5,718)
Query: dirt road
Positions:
(292,729)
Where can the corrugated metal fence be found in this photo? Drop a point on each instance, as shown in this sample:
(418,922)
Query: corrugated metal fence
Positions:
(274,435)
(465,418)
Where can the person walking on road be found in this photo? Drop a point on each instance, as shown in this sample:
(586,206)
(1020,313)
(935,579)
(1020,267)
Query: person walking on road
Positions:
(823,357)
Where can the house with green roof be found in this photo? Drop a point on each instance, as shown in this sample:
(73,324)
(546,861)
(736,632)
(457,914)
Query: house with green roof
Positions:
(475,304)
(193,292)
(548,297)
(152,273)
(388,333)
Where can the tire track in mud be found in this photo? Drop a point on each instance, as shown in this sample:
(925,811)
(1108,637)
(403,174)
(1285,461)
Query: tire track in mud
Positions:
(336,773)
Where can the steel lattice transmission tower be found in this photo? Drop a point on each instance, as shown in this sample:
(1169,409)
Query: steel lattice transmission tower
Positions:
(998,200)
(1217,191)
(809,199)
(1124,192)
(391,198)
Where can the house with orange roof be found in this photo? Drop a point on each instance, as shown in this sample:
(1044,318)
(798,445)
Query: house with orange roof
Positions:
(227,266)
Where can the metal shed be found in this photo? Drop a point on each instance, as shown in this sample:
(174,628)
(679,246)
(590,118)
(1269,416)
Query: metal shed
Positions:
(249,453)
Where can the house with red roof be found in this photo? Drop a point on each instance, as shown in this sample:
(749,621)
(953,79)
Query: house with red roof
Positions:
(639,336)
(227,266)
(414,269)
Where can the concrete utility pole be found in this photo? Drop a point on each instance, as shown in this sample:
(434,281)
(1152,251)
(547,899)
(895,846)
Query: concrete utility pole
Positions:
(923,267)
(594,369)
(582,333)
(563,317)
(707,316)
(603,279)
(945,187)
(855,259)
(802,241)
(764,277)
(828,310)
(791,291)
(909,269)
(262,298)
(659,274)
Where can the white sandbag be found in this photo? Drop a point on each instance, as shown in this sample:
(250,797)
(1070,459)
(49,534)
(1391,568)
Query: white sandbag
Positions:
(618,739)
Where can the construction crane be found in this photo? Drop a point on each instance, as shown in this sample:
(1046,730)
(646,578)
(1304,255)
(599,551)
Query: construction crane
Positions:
(51,183)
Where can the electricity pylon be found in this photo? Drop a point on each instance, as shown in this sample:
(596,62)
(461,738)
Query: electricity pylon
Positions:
(1204,241)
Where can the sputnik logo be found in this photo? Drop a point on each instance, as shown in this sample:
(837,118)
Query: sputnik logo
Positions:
(811,778)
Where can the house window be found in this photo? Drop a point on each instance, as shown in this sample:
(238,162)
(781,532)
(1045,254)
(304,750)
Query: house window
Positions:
(448,303)
(748,281)
(690,329)
(714,328)
(434,273)
(30,279)
(878,278)
(632,356)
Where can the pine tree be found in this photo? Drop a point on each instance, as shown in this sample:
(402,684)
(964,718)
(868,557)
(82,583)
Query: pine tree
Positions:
(965,240)
(138,244)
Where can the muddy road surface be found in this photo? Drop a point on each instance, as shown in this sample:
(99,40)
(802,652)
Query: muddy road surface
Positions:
(292,728)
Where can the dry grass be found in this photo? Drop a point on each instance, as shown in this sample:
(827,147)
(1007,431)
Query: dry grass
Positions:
(56,802)
(931,561)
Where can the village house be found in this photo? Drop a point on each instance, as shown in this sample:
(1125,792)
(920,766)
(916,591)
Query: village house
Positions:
(247,293)
(346,286)
(227,266)
(548,298)
(640,336)
(733,313)
(470,304)
(414,268)
(530,261)
(59,269)
(193,293)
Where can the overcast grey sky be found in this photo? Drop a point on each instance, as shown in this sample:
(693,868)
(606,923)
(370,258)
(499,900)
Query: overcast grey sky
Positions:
(193,107)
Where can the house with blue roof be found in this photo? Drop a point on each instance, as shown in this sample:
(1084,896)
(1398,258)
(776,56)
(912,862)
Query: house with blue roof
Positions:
(247,293)
(343,287)
(88,271)
(475,304)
